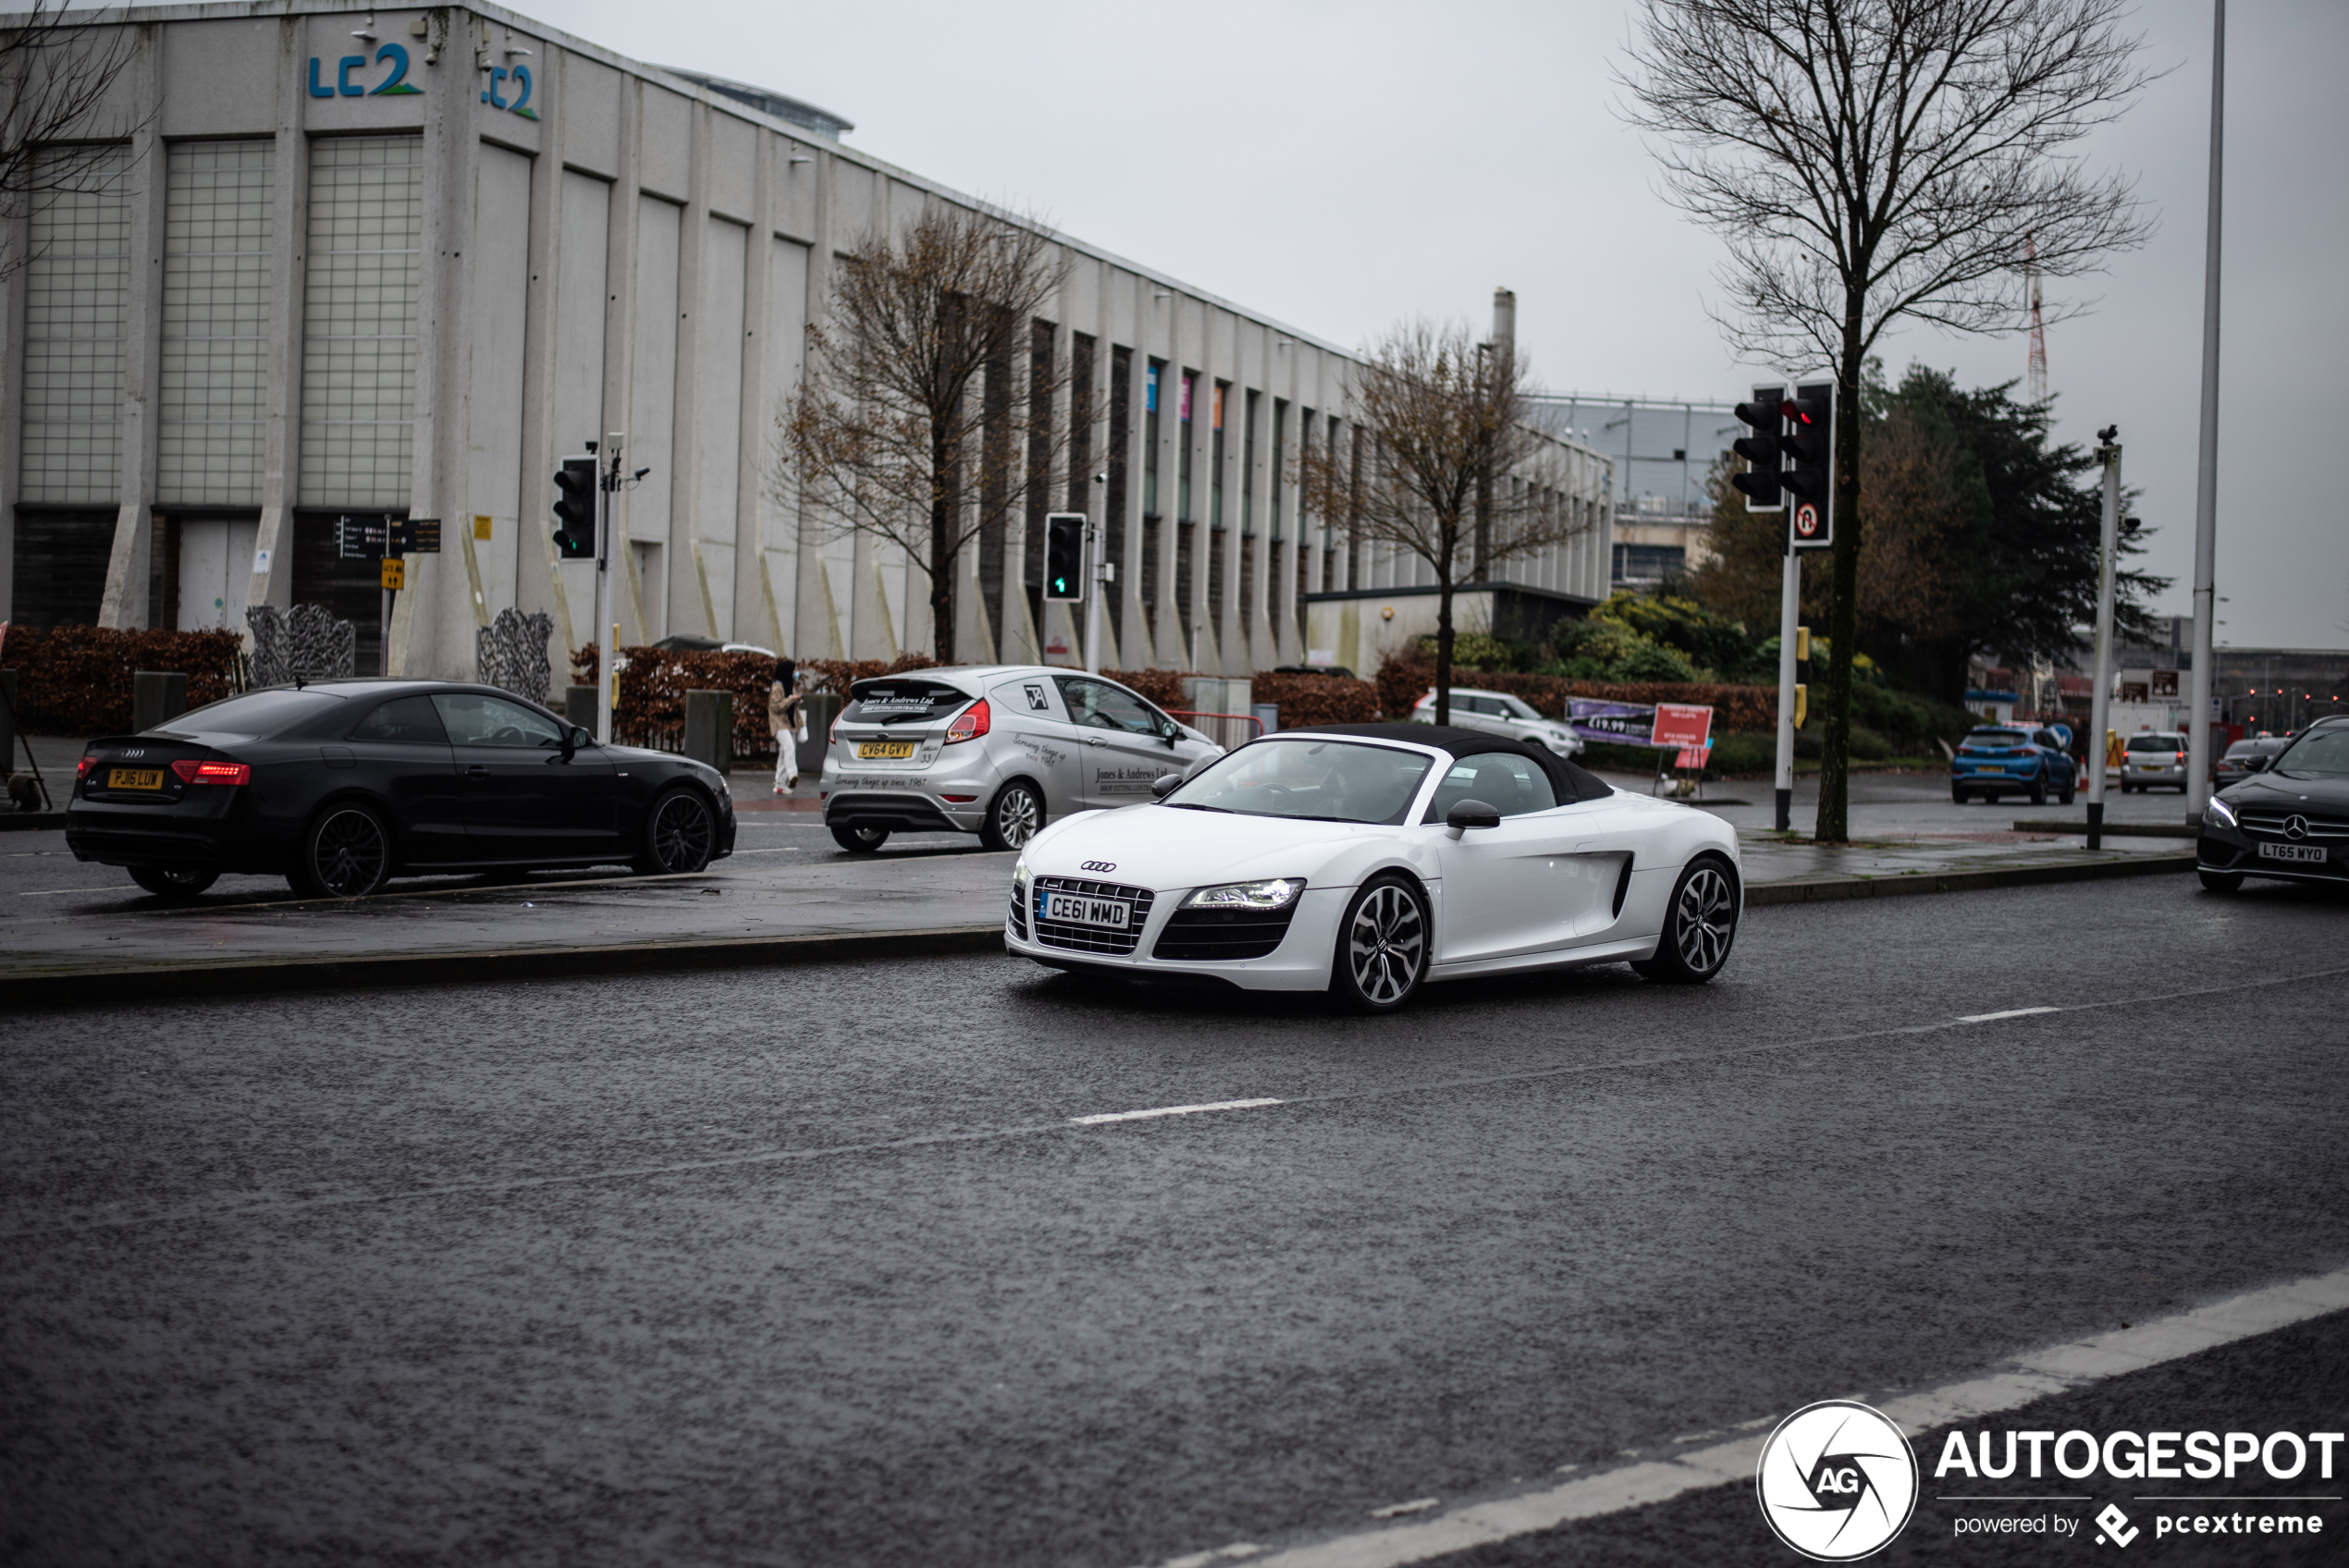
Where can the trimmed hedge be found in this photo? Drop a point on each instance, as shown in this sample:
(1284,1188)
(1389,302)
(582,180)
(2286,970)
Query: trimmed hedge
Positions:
(1401,684)
(1307,700)
(76,679)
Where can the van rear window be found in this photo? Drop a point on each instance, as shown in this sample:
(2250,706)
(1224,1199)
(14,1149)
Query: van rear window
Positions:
(901,702)
(2157,743)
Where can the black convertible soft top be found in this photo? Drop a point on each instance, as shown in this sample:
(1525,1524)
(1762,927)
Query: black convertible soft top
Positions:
(1572,782)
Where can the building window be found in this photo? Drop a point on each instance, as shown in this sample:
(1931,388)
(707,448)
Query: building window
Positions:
(1150,438)
(76,294)
(1648,563)
(1280,471)
(1248,468)
(215,323)
(1215,460)
(1183,447)
(358,319)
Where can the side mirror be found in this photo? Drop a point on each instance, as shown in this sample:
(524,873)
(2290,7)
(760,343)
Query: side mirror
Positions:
(1165,785)
(1471,814)
(2254,763)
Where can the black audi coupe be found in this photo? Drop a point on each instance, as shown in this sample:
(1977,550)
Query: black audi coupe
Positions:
(338,785)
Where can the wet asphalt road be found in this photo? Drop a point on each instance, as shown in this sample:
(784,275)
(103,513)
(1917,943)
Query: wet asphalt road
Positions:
(810,1266)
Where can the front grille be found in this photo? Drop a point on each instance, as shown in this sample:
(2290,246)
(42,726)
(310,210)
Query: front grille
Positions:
(1019,916)
(2269,825)
(1090,938)
(1212,934)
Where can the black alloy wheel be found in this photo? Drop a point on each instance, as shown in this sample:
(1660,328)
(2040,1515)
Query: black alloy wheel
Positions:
(680,835)
(2222,881)
(1016,816)
(346,854)
(172,887)
(1381,946)
(2039,787)
(858,840)
(1699,925)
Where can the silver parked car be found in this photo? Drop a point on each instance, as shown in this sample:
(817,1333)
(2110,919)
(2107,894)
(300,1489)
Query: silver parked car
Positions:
(995,749)
(2154,756)
(1497,713)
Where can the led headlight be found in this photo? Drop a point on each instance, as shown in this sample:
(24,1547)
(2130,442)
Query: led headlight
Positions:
(1020,880)
(2218,813)
(1272,894)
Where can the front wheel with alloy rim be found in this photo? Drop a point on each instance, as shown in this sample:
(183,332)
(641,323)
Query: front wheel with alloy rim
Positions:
(681,834)
(172,887)
(346,854)
(1381,946)
(1699,925)
(1016,816)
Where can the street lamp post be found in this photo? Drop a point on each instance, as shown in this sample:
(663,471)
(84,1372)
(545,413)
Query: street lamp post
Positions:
(2206,499)
(2100,700)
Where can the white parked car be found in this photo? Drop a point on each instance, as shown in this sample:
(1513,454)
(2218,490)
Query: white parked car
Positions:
(995,749)
(2154,756)
(1365,859)
(1497,713)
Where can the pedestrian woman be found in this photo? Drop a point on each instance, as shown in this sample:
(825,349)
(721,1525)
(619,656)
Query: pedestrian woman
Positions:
(783,719)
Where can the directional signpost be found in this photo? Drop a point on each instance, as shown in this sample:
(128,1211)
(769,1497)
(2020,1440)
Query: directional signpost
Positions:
(388,541)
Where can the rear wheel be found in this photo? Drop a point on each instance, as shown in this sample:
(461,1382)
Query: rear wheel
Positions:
(1699,925)
(346,854)
(1957,794)
(172,887)
(680,835)
(858,840)
(1016,816)
(1381,946)
(2223,881)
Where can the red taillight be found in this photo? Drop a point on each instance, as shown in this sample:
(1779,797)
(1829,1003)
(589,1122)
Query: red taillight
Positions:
(831,736)
(191,771)
(970,724)
(81,769)
(2181,757)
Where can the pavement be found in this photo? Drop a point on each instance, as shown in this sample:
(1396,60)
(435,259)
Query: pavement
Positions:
(838,1264)
(787,894)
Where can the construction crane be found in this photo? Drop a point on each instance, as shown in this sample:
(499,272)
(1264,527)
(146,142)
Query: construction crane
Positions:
(2037,373)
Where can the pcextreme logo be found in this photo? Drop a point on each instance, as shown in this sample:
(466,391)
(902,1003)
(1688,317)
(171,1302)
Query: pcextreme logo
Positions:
(1837,1481)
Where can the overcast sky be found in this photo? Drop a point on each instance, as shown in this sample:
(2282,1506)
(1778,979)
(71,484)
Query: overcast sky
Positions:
(1340,166)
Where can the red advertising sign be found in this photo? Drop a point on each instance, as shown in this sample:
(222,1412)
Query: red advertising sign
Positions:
(1681,724)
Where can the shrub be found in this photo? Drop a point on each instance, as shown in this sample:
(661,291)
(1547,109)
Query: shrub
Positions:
(1401,684)
(1164,687)
(1307,700)
(76,679)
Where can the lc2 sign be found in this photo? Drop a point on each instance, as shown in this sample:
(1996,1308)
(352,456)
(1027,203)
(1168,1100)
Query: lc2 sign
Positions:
(396,85)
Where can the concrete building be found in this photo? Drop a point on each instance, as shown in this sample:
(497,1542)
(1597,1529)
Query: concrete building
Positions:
(1663,451)
(350,264)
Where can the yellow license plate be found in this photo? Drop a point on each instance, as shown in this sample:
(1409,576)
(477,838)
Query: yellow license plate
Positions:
(134,779)
(884,749)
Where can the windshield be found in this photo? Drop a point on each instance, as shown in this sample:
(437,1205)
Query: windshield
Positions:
(255,713)
(1516,708)
(2323,753)
(1994,737)
(901,702)
(1316,780)
(2157,743)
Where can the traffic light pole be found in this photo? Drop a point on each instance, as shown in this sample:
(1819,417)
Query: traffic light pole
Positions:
(2099,704)
(607,667)
(1789,611)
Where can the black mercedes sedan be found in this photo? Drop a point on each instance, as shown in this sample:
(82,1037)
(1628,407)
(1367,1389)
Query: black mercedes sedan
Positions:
(338,785)
(2289,820)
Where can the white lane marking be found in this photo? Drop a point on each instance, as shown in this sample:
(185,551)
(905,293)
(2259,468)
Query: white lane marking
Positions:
(1231,1554)
(1397,1509)
(53,892)
(2026,1378)
(1166,1110)
(2010,1012)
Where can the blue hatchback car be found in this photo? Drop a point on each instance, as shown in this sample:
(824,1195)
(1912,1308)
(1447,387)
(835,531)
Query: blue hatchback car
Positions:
(2014,759)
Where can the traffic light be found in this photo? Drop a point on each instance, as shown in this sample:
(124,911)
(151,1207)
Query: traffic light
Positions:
(1760,450)
(575,509)
(1809,477)
(1064,557)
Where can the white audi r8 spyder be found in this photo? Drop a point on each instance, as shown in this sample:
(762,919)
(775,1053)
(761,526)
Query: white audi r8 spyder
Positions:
(1366,859)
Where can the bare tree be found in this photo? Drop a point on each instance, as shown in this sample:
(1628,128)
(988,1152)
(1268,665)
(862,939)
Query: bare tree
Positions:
(1455,475)
(922,397)
(1870,160)
(57,68)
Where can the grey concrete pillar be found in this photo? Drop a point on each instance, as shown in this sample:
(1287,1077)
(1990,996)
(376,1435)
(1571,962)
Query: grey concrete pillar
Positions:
(709,729)
(157,696)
